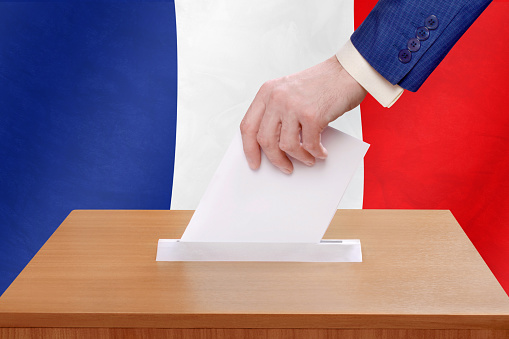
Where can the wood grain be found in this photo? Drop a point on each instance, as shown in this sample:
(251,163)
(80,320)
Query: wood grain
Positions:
(98,269)
(136,333)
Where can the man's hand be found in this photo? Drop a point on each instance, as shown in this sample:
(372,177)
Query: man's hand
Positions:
(288,114)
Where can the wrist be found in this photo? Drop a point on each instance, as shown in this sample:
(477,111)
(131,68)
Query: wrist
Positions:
(355,65)
(352,91)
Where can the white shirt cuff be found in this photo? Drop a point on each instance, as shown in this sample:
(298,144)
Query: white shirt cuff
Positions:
(354,63)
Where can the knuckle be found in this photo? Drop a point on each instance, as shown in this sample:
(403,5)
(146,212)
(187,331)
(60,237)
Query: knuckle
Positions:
(278,95)
(263,141)
(307,116)
(309,146)
(267,86)
(286,147)
(293,105)
(245,127)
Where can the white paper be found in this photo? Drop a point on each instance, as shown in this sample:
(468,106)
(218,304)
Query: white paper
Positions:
(266,205)
(329,251)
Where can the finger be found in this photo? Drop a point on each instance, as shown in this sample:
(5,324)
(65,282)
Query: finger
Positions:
(311,140)
(249,129)
(268,139)
(289,142)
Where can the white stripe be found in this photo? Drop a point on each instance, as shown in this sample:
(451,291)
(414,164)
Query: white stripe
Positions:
(226,50)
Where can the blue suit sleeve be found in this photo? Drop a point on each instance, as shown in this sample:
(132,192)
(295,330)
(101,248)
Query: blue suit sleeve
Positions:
(383,38)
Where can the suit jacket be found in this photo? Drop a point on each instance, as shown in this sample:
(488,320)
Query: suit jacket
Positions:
(384,38)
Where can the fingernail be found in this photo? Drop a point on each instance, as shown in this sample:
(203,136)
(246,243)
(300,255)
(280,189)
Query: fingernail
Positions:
(252,165)
(286,170)
(324,153)
(310,163)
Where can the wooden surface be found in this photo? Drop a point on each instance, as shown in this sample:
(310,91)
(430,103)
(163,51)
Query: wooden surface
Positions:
(98,269)
(137,333)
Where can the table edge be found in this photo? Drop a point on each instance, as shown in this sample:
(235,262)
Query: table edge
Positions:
(193,320)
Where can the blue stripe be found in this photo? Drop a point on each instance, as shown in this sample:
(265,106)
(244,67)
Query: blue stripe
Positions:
(87,115)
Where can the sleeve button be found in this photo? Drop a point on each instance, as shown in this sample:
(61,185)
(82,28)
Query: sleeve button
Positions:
(413,45)
(422,33)
(405,56)
(431,22)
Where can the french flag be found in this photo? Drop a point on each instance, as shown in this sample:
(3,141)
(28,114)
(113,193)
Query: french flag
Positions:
(109,105)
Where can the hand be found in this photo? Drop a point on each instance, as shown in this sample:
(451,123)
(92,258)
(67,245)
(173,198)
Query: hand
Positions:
(288,114)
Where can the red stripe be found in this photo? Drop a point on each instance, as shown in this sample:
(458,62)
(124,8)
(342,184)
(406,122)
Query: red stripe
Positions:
(446,146)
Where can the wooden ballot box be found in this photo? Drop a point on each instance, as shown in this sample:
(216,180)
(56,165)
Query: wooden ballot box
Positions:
(97,277)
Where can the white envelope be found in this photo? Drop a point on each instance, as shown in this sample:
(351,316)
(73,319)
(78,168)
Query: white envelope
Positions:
(268,206)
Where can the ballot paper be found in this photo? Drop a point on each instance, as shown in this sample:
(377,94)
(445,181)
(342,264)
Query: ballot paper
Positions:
(269,206)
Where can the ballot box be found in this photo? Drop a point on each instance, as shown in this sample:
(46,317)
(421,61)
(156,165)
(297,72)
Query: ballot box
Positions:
(97,277)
